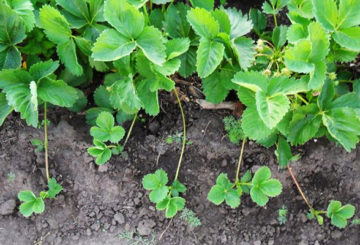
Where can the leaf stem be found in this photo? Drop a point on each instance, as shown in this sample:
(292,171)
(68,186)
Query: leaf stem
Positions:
(240,160)
(302,99)
(184,134)
(130,129)
(46,143)
(146,14)
(299,188)
(275,20)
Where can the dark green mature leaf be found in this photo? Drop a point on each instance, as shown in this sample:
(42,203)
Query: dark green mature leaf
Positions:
(24,9)
(259,20)
(209,56)
(279,36)
(151,43)
(327,94)
(57,92)
(43,69)
(253,126)
(101,97)
(203,23)
(340,214)
(287,86)
(188,62)
(205,4)
(93,113)
(176,24)
(176,47)
(12,32)
(148,97)
(5,109)
(67,54)
(21,94)
(344,125)
(100,151)
(111,45)
(126,18)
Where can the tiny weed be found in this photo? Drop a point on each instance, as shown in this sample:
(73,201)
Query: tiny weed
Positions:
(282,215)
(39,144)
(234,129)
(11,177)
(134,239)
(190,218)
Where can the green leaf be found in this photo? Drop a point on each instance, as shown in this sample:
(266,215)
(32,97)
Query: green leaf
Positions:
(327,94)
(31,204)
(326,13)
(344,125)
(351,100)
(279,36)
(215,86)
(188,62)
(111,45)
(205,4)
(253,126)
(101,152)
(261,175)
(216,195)
(57,29)
(244,50)
(21,94)
(258,197)
(26,196)
(340,214)
(57,92)
(203,23)
(105,130)
(302,7)
(101,97)
(271,188)
(271,109)
(287,86)
(177,188)
(223,190)
(296,58)
(54,188)
(126,18)
(5,109)
(67,54)
(157,184)
(232,198)
(223,20)
(176,24)
(305,124)
(240,24)
(348,38)
(258,19)
(209,56)
(25,10)
(349,16)
(177,47)
(283,152)
(151,43)
(174,205)
(10,58)
(254,81)
(148,97)
(123,96)
(43,69)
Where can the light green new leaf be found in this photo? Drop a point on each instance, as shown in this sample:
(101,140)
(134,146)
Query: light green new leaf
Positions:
(296,58)
(126,18)
(349,14)
(244,50)
(43,69)
(223,20)
(223,191)
(156,182)
(209,56)
(100,151)
(151,43)
(54,188)
(302,7)
(258,197)
(344,125)
(30,203)
(253,126)
(25,10)
(56,27)
(326,13)
(57,92)
(123,96)
(271,109)
(287,86)
(283,152)
(174,205)
(340,214)
(111,45)
(5,109)
(203,23)
(106,130)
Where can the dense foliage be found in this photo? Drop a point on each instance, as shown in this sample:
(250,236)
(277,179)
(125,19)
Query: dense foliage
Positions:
(293,79)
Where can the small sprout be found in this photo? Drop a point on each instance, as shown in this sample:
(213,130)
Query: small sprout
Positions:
(189,216)
(169,140)
(39,144)
(340,214)
(355,221)
(135,239)
(282,215)
(165,197)
(11,177)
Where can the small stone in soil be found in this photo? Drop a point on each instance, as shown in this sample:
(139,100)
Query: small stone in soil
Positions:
(7,208)
(145,227)
(119,218)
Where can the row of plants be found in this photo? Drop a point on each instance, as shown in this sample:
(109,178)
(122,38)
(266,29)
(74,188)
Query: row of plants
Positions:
(293,79)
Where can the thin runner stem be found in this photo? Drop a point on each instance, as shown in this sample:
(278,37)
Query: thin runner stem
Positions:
(130,129)
(240,160)
(299,188)
(275,20)
(184,134)
(46,143)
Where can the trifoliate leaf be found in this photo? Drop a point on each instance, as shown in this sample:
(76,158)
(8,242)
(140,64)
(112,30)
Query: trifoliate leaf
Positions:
(157,184)
(25,10)
(244,50)
(223,191)
(54,188)
(105,129)
(30,203)
(174,205)
(339,214)
(111,45)
(151,43)
(349,16)
(209,56)
(176,24)
(203,23)
(223,20)
(100,151)
(348,38)
(57,92)
(344,125)
(253,126)
(126,18)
